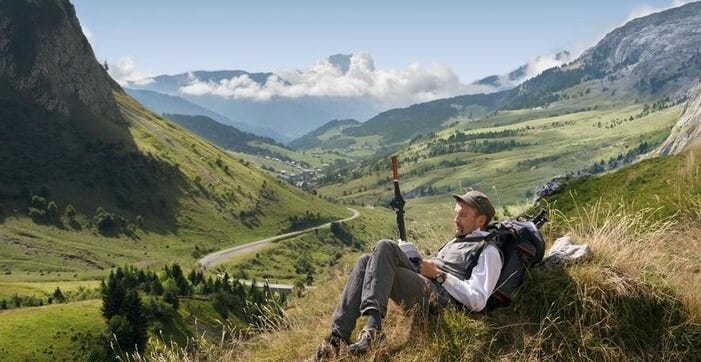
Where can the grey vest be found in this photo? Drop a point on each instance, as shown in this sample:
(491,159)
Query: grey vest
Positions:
(459,258)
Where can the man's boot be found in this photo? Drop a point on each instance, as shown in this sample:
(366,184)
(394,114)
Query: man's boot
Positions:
(329,348)
(366,338)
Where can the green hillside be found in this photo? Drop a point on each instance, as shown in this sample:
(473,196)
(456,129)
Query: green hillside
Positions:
(207,198)
(509,153)
(637,298)
(224,136)
(326,136)
(402,124)
(54,332)
(669,187)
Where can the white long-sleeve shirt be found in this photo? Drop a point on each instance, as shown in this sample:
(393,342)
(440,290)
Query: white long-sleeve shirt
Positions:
(474,292)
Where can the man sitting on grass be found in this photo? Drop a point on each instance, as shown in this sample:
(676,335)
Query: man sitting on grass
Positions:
(462,273)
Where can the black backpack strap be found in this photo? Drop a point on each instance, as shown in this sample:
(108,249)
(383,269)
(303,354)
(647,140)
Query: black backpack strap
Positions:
(467,239)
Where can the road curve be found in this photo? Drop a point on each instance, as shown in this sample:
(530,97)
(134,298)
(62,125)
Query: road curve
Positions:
(219,257)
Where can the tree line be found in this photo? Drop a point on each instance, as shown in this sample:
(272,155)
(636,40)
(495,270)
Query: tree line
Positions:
(136,300)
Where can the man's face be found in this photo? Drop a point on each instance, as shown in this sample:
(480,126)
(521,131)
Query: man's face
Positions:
(467,219)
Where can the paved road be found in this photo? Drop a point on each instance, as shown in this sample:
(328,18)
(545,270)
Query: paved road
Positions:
(221,256)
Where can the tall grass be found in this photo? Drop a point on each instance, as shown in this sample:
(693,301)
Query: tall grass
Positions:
(637,298)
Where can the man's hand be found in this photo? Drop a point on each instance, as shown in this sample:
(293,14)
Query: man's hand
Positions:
(429,269)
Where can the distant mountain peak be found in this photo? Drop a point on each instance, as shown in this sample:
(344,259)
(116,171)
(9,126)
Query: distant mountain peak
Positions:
(341,61)
(531,69)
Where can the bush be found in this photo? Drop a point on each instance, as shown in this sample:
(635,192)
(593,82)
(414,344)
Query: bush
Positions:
(36,213)
(104,220)
(58,295)
(69,212)
(52,211)
(109,223)
(37,207)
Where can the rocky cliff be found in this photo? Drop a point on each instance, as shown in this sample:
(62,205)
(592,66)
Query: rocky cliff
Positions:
(653,56)
(46,59)
(687,131)
(657,53)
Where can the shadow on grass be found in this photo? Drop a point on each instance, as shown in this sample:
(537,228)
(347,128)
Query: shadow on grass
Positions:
(563,314)
(83,160)
(590,312)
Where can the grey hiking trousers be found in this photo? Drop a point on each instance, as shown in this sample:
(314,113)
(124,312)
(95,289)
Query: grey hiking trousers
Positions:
(376,277)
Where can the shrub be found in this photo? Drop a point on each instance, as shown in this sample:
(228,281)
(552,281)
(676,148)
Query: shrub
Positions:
(69,212)
(58,295)
(104,220)
(52,211)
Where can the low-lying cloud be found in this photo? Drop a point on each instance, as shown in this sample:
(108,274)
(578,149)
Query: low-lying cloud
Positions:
(353,75)
(541,63)
(356,78)
(125,73)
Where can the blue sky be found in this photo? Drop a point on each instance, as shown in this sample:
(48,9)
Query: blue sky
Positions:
(473,39)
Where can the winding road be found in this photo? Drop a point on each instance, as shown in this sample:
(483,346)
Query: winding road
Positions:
(221,256)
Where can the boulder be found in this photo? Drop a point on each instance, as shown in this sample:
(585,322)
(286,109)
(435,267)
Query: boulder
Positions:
(564,251)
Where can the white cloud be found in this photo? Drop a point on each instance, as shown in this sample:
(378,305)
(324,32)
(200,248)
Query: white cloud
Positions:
(541,63)
(125,72)
(390,86)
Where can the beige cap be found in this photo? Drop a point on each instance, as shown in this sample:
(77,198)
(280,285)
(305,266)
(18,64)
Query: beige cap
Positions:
(479,201)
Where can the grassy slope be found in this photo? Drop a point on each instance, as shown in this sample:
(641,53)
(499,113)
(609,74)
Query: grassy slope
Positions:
(667,185)
(638,298)
(65,332)
(315,158)
(37,258)
(44,289)
(206,208)
(55,332)
(556,145)
(277,262)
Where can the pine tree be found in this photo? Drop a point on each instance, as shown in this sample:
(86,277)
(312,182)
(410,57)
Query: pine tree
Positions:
(134,314)
(58,295)
(113,294)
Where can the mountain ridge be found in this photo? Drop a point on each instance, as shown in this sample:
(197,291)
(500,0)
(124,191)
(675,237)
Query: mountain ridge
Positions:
(311,139)
(687,131)
(132,176)
(164,103)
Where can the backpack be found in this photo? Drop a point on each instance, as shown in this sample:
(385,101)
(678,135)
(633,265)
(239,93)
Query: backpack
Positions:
(521,246)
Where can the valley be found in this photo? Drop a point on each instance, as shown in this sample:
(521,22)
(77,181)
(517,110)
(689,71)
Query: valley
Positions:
(161,210)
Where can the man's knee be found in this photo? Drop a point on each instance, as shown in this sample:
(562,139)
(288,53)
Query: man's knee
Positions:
(363,260)
(384,244)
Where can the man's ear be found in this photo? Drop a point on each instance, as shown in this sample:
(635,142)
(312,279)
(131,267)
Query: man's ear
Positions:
(482,220)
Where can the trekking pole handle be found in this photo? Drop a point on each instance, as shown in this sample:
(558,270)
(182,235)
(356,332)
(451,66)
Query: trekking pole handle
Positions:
(398,202)
(395,168)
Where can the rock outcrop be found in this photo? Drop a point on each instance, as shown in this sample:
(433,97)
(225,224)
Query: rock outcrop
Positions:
(46,58)
(687,131)
(655,55)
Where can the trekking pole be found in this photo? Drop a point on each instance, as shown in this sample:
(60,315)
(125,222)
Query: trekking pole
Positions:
(397,204)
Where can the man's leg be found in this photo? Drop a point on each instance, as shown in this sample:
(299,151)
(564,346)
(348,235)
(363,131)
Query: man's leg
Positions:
(388,274)
(414,292)
(348,308)
(386,263)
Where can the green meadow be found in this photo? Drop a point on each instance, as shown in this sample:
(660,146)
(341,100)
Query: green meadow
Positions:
(216,201)
(541,147)
(56,332)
